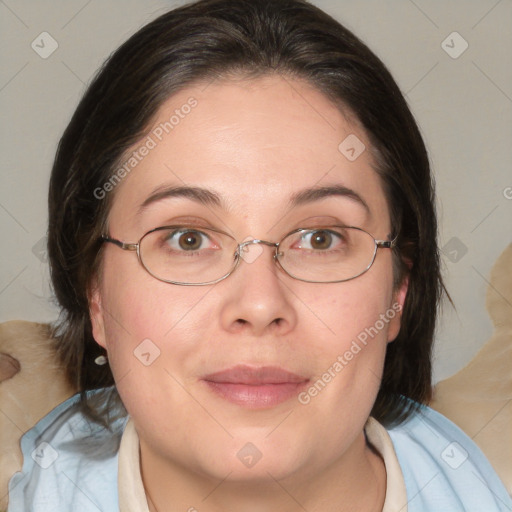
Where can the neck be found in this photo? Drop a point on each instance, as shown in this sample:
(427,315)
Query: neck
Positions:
(355,481)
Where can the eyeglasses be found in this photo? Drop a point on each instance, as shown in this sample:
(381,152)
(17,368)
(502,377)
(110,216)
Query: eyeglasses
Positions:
(193,256)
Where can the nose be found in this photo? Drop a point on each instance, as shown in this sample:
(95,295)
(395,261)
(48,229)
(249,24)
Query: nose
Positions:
(257,299)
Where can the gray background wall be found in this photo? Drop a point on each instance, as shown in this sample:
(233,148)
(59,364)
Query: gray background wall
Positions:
(461,97)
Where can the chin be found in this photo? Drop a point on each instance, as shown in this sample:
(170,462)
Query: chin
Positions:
(254,462)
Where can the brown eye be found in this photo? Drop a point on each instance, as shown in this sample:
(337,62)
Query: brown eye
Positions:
(190,241)
(183,240)
(321,240)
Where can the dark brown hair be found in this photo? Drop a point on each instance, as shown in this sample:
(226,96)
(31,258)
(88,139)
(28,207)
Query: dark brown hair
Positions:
(213,39)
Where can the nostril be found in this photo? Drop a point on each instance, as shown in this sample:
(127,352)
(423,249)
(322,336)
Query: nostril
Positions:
(9,366)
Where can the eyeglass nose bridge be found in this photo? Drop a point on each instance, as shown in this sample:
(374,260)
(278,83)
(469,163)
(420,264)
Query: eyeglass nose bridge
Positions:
(257,241)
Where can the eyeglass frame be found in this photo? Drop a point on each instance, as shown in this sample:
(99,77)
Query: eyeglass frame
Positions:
(379,244)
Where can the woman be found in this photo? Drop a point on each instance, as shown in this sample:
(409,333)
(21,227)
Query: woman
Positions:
(267,344)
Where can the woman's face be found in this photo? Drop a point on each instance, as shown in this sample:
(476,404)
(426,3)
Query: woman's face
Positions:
(256,145)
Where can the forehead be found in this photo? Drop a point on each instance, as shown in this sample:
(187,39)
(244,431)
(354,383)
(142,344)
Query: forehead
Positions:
(257,143)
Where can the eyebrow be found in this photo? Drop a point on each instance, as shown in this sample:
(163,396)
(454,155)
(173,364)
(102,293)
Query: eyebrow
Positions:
(310,195)
(197,194)
(211,198)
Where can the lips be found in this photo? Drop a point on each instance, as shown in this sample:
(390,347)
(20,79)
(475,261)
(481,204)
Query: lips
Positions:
(255,387)
(244,374)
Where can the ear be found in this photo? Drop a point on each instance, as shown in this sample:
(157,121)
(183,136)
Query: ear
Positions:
(397,306)
(96,314)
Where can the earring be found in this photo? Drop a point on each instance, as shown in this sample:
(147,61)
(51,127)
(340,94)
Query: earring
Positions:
(101,360)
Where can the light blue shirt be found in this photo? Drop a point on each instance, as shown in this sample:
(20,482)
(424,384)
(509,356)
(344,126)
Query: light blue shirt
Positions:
(70,464)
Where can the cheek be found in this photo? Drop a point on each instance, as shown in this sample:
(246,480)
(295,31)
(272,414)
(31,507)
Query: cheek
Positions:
(152,357)
(151,331)
(357,345)
(357,317)
(136,305)
(351,309)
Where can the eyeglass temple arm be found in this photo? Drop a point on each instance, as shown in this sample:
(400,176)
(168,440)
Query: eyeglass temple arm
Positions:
(122,245)
(386,244)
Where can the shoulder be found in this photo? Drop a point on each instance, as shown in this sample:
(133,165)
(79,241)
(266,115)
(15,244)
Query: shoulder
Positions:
(443,468)
(69,463)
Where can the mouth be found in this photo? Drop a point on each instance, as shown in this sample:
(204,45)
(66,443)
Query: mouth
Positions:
(255,387)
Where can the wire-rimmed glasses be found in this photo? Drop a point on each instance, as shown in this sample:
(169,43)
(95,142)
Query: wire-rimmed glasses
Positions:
(194,256)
